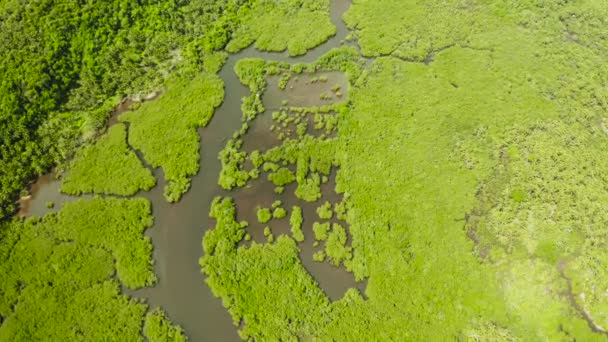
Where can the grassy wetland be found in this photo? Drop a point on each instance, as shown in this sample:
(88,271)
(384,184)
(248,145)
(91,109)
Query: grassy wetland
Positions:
(327,170)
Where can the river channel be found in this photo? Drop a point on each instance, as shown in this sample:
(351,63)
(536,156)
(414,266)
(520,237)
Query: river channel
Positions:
(179,228)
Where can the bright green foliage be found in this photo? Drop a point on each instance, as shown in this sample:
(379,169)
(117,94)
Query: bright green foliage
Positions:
(165,130)
(252,73)
(264,285)
(256,158)
(227,231)
(232,174)
(535,292)
(276,204)
(310,189)
(406,30)
(469,156)
(174,190)
(282,177)
(487,331)
(264,215)
(345,59)
(556,167)
(58,272)
(279,213)
(295,220)
(324,211)
(108,167)
(61,83)
(63,63)
(340,209)
(301,129)
(424,138)
(213,62)
(275,26)
(335,246)
(319,256)
(157,328)
(321,230)
(310,154)
(116,225)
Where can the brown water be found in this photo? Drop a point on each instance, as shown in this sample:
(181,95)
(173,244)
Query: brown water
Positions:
(334,281)
(178,228)
(303,91)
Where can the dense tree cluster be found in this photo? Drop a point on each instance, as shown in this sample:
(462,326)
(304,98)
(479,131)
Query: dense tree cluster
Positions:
(58,273)
(64,65)
(477,127)
(61,62)
(165,130)
(469,155)
(108,167)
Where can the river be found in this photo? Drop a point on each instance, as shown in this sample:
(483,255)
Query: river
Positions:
(179,228)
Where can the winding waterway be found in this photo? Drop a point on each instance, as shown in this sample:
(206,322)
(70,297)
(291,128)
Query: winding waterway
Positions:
(179,228)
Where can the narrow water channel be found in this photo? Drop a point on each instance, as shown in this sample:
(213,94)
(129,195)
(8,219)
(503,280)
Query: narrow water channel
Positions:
(179,228)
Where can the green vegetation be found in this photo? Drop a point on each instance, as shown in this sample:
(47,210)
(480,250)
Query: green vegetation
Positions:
(252,72)
(165,130)
(324,211)
(295,221)
(321,230)
(60,84)
(55,266)
(264,215)
(554,167)
(275,26)
(158,329)
(278,300)
(340,209)
(59,87)
(480,132)
(402,28)
(335,246)
(310,189)
(116,225)
(279,213)
(282,177)
(319,256)
(62,66)
(108,167)
(468,152)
